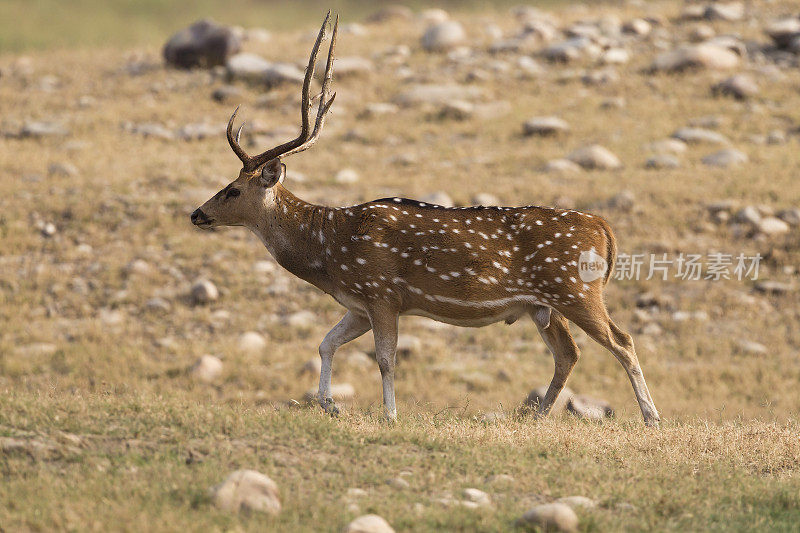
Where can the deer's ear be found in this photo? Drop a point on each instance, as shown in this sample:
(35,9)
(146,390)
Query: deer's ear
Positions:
(271,173)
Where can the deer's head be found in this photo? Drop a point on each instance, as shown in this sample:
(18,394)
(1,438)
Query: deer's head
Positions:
(252,193)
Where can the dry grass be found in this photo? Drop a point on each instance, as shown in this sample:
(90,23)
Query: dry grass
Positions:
(726,458)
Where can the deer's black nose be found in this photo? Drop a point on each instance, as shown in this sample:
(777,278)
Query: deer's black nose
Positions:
(198,217)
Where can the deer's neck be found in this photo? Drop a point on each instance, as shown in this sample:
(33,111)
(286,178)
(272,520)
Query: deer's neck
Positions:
(292,232)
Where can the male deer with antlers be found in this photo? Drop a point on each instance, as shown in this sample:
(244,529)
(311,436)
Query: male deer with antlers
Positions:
(468,266)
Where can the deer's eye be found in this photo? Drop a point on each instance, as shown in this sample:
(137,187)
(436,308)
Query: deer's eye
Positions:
(232,193)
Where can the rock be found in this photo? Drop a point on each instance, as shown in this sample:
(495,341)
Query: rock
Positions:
(790,216)
(457,110)
(667,146)
(536,397)
(748,215)
(313,366)
(369,523)
(595,157)
(740,86)
(550,517)
(206,369)
(699,136)
(485,198)
(264,267)
(578,502)
(701,32)
(776,137)
(204,291)
(301,319)
(408,345)
(62,170)
(751,348)
(394,12)
(257,35)
(247,490)
(158,305)
(251,342)
(347,67)
(729,12)
(725,158)
(500,480)
(203,44)
(437,94)
(561,166)
(589,408)
(443,36)
(637,27)
(773,287)
(38,129)
(615,56)
(772,226)
(247,67)
(477,380)
(697,56)
(346,176)
(784,31)
(439,198)
(199,130)
(544,126)
(376,109)
(151,130)
(662,161)
(48,229)
(226,93)
(398,483)
(434,15)
(339,391)
(571,50)
(477,496)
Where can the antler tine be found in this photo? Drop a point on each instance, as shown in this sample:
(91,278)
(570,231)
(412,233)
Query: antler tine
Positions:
(324,105)
(305,104)
(241,154)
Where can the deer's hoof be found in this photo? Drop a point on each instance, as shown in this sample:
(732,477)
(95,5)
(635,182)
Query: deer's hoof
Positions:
(329,406)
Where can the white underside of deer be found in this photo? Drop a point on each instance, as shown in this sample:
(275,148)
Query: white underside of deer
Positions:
(469,266)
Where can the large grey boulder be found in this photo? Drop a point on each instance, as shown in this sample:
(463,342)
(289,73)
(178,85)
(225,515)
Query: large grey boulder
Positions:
(203,44)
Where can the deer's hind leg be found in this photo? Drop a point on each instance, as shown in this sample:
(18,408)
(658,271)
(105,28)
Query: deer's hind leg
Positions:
(554,329)
(594,320)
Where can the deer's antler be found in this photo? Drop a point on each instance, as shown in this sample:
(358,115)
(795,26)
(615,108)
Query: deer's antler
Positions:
(307,138)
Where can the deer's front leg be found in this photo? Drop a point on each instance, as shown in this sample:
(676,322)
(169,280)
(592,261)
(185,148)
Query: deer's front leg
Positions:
(350,327)
(384,328)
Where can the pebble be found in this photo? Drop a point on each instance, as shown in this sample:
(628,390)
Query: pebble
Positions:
(206,369)
(697,56)
(772,226)
(251,342)
(545,126)
(477,496)
(727,157)
(204,291)
(700,135)
(443,36)
(561,166)
(247,490)
(740,86)
(370,523)
(595,157)
(550,517)
(662,161)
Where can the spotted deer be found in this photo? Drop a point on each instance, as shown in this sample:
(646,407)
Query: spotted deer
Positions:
(468,266)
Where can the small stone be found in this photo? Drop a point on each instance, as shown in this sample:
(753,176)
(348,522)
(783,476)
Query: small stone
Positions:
(443,36)
(408,345)
(751,347)
(159,305)
(589,408)
(398,483)
(204,291)
(264,267)
(748,215)
(615,56)
(662,161)
(313,366)
(550,517)
(545,126)
(500,480)
(729,12)
(301,319)
(667,146)
(772,226)
(226,93)
(578,502)
(477,496)
(725,158)
(561,166)
(36,129)
(485,198)
(62,170)
(698,56)
(784,31)
(439,198)
(595,157)
(251,342)
(370,523)
(536,397)
(346,176)
(394,12)
(377,109)
(740,86)
(790,216)
(203,44)
(701,32)
(773,287)
(700,136)
(457,110)
(48,229)
(348,67)
(206,369)
(247,490)
(776,137)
